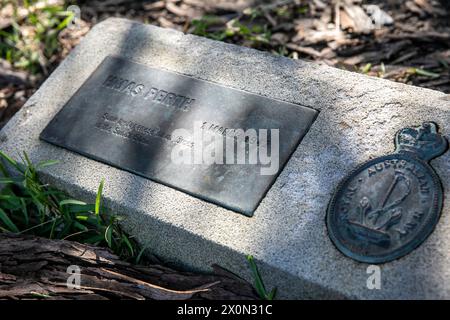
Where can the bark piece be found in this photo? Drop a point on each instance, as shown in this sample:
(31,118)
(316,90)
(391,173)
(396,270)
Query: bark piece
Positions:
(36,268)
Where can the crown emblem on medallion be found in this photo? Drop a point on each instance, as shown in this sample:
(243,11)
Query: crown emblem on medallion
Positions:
(424,141)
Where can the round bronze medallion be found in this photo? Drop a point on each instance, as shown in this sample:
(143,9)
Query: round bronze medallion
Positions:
(388,206)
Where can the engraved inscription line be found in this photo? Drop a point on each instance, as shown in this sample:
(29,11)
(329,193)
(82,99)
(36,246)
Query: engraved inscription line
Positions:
(155,95)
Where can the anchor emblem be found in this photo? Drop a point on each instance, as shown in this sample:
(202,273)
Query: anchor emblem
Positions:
(388,206)
(373,224)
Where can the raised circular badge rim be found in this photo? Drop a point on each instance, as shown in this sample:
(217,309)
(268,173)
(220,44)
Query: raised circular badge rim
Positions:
(410,246)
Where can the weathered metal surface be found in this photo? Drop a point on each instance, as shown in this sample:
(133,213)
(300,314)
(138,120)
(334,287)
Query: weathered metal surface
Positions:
(125,115)
(388,206)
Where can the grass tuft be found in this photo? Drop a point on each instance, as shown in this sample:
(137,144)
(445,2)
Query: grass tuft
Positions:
(29,207)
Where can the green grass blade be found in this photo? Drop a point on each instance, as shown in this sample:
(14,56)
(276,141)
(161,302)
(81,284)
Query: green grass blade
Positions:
(259,285)
(139,256)
(11,161)
(98,199)
(128,244)
(48,163)
(11,203)
(272,294)
(30,171)
(366,68)
(28,161)
(7,221)
(72,202)
(108,236)
(25,211)
(39,295)
(79,226)
(52,230)
(65,22)
(426,73)
(3,229)
(7,181)
(3,170)
(88,208)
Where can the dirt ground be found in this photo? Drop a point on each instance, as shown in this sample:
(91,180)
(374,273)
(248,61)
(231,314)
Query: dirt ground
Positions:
(404,41)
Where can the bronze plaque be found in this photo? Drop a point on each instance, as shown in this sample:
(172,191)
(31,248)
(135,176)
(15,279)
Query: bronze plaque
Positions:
(136,118)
